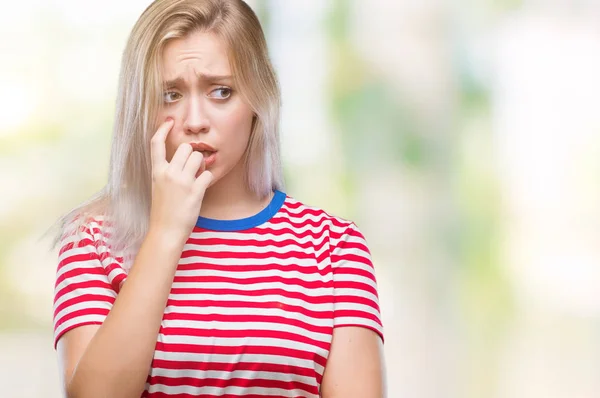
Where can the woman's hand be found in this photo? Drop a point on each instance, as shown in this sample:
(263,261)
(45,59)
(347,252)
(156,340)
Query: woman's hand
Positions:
(176,191)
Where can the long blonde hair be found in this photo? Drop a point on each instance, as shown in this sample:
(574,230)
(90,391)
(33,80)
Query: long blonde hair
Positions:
(125,201)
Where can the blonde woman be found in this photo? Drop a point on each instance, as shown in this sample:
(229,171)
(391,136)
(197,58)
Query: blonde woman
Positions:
(192,273)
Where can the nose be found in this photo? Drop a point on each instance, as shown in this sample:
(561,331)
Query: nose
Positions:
(196,120)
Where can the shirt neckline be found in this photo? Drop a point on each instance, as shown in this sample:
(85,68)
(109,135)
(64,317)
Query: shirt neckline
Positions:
(245,223)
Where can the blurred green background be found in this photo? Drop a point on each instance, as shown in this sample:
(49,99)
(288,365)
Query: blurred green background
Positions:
(462,137)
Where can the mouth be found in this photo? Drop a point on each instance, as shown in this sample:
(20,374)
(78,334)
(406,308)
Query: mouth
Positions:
(208,152)
(202,147)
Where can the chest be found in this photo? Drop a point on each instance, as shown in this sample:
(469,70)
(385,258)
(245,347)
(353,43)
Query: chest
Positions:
(247,320)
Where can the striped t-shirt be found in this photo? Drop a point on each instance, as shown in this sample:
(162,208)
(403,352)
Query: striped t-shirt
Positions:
(253,303)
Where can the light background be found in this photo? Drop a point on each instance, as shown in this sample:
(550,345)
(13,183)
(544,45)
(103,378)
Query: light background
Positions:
(461,136)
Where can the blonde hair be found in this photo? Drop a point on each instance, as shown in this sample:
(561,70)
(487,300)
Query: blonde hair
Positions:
(125,201)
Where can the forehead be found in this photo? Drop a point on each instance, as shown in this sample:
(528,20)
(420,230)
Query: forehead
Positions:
(199,51)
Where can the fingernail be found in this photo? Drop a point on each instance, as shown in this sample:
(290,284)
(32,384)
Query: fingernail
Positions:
(169,119)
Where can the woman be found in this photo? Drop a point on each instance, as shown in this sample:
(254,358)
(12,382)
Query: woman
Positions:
(192,273)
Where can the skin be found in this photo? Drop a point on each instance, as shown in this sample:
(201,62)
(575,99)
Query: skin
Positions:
(355,367)
(211,110)
(99,361)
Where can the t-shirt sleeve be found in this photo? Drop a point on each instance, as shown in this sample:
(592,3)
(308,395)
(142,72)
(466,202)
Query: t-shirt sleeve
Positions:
(356,299)
(83,294)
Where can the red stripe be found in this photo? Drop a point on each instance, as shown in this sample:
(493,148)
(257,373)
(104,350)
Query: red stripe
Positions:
(309,233)
(203,242)
(355,271)
(245,281)
(212,292)
(81,313)
(163,395)
(80,272)
(84,298)
(308,270)
(75,245)
(358,286)
(357,314)
(231,382)
(299,255)
(76,325)
(235,350)
(249,319)
(71,287)
(357,300)
(242,334)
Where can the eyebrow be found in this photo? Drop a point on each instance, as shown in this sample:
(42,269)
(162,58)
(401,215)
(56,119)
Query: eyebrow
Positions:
(207,77)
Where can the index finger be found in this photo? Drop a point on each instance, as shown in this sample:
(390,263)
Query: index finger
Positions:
(158,150)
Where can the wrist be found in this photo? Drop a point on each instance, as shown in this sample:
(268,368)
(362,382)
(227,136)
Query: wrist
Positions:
(160,237)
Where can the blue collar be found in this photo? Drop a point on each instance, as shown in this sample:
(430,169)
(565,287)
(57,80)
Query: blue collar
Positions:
(245,223)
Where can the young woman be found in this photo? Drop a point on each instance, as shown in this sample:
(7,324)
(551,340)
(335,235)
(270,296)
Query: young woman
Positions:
(192,273)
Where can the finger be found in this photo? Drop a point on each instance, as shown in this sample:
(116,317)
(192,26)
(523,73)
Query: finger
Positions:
(181,156)
(158,150)
(194,164)
(202,183)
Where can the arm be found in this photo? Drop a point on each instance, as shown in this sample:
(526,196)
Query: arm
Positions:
(113,360)
(355,367)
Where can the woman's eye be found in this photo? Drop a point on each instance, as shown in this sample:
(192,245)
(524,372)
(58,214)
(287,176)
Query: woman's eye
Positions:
(220,93)
(171,96)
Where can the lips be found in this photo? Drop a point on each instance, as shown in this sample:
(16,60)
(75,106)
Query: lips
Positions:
(207,151)
(202,147)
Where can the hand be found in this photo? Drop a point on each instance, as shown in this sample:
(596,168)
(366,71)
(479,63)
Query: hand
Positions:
(176,191)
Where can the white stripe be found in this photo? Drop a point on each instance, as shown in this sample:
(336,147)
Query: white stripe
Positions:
(78,251)
(79,320)
(82,306)
(237,342)
(298,218)
(85,278)
(242,237)
(245,248)
(352,321)
(311,292)
(355,293)
(257,299)
(217,391)
(79,291)
(351,250)
(249,310)
(115,272)
(298,230)
(356,279)
(356,307)
(226,375)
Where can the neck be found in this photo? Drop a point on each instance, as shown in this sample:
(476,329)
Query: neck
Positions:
(230,199)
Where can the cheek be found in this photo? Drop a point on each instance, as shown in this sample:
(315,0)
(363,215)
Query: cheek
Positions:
(239,124)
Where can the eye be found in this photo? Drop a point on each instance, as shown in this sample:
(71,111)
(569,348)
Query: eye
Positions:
(221,93)
(171,96)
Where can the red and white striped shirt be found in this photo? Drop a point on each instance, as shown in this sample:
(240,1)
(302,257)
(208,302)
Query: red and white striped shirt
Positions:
(253,303)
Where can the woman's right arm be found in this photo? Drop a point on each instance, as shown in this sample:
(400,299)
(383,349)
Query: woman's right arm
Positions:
(113,360)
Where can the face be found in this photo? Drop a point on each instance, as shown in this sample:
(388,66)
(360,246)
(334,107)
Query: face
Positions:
(200,96)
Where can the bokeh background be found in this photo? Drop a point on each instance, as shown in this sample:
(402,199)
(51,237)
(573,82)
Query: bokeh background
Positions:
(461,136)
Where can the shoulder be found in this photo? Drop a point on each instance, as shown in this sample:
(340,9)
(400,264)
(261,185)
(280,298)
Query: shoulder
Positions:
(86,233)
(299,211)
